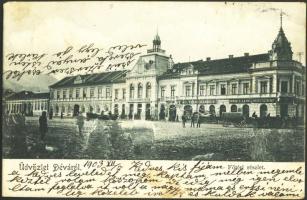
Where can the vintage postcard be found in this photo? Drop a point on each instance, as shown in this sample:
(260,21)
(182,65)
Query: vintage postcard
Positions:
(197,100)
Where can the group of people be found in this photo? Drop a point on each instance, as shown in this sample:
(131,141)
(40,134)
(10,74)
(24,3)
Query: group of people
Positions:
(195,118)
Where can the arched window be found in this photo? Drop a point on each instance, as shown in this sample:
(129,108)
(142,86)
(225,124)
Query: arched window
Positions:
(222,109)
(140,90)
(131,91)
(148,90)
(202,109)
(245,111)
(91,109)
(233,108)
(212,110)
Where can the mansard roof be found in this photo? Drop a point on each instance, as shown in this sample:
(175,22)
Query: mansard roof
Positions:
(28,95)
(218,66)
(92,79)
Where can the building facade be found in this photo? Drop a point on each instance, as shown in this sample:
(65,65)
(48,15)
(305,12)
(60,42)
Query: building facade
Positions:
(156,88)
(27,103)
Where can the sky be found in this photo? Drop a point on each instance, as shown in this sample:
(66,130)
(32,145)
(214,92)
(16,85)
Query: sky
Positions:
(188,30)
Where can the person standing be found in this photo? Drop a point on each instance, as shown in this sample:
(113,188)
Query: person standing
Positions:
(51,114)
(43,126)
(198,120)
(183,120)
(80,123)
(193,120)
(61,115)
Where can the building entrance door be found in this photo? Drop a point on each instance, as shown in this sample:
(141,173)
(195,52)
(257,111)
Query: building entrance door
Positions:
(172,113)
(76,110)
(283,110)
(263,110)
(245,111)
(139,111)
(162,112)
(131,111)
(222,110)
(147,114)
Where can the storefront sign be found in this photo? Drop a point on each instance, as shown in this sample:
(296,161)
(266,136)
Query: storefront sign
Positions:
(199,101)
(256,100)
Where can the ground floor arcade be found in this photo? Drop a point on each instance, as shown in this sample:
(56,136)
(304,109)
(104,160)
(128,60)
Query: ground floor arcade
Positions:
(173,110)
(31,107)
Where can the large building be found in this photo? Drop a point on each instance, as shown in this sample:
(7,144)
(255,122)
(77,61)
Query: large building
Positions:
(156,88)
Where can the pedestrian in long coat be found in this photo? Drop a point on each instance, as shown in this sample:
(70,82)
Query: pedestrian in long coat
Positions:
(183,118)
(80,123)
(43,126)
(198,120)
(193,120)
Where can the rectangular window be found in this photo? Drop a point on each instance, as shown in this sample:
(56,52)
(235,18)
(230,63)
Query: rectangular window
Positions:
(92,92)
(297,88)
(84,92)
(263,87)
(58,94)
(162,91)
(51,94)
(108,94)
(284,86)
(234,88)
(201,90)
(223,89)
(245,88)
(116,93)
(70,93)
(99,92)
(124,93)
(64,94)
(172,91)
(187,90)
(78,93)
(211,89)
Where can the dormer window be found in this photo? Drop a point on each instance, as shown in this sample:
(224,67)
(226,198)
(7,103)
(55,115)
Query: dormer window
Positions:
(78,80)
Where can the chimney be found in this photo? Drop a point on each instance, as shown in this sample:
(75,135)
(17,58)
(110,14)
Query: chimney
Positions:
(230,56)
(208,58)
(246,54)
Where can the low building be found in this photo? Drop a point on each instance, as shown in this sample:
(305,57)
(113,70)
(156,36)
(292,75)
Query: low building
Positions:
(27,103)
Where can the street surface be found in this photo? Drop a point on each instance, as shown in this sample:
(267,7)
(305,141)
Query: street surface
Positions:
(159,140)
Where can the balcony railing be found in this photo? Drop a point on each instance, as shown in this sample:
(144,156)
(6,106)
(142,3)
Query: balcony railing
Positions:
(139,99)
(155,50)
(83,98)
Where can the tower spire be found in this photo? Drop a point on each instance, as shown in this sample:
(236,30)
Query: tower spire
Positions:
(281,13)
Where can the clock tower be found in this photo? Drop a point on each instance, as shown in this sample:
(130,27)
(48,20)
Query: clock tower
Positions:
(142,84)
(154,63)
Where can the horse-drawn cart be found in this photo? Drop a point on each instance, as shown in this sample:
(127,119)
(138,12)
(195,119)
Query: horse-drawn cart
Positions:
(233,118)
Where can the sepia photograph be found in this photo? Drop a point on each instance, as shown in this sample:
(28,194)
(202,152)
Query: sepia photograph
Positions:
(154,81)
